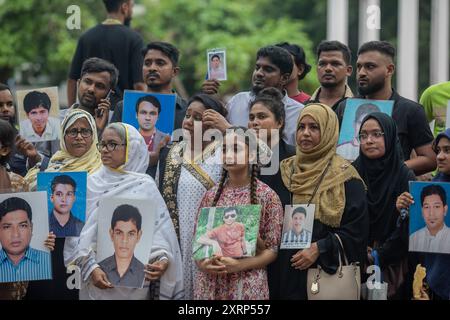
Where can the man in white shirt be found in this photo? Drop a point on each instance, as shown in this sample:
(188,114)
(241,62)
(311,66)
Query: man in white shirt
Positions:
(39,126)
(435,236)
(273,69)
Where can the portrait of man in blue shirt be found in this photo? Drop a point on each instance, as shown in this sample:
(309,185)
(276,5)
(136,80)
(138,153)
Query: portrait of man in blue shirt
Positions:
(18,261)
(123,269)
(62,222)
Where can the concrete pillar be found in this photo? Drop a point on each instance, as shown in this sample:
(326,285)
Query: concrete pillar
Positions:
(408,49)
(369,21)
(439,45)
(337,20)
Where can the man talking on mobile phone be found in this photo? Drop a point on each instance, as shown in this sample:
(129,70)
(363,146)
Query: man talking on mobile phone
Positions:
(98,77)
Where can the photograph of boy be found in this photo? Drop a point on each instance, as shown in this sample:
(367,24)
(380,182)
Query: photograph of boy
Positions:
(350,149)
(123,269)
(435,236)
(148,109)
(61,220)
(297,235)
(39,125)
(216,68)
(228,239)
(18,260)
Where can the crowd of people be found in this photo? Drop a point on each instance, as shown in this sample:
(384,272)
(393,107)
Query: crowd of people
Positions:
(295,134)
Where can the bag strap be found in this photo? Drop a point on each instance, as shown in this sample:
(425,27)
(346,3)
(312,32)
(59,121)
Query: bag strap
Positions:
(343,251)
(319,182)
(317,185)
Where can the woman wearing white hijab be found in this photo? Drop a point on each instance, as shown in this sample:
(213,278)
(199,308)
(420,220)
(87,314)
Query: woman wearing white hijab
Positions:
(125,160)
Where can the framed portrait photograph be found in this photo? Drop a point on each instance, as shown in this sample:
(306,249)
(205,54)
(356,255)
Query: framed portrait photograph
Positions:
(217,64)
(429,220)
(227,231)
(66,200)
(23,231)
(152,114)
(355,111)
(124,239)
(38,113)
(297,226)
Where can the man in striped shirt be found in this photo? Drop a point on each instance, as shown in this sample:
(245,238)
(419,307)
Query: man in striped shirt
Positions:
(298,235)
(18,261)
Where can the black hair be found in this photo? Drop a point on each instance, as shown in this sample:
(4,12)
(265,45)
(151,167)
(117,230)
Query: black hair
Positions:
(215,56)
(63,179)
(97,65)
(166,48)
(209,102)
(13,204)
(113,5)
(299,57)
(433,189)
(7,137)
(299,210)
(366,109)
(383,47)
(151,99)
(278,56)
(230,209)
(126,212)
(36,99)
(272,99)
(4,87)
(250,140)
(326,46)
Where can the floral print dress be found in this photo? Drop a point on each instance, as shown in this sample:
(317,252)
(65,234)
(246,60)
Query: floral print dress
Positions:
(250,284)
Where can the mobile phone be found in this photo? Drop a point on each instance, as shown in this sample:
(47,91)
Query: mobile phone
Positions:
(108,97)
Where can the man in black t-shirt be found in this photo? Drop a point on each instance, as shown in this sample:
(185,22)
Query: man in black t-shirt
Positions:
(160,67)
(374,70)
(115,42)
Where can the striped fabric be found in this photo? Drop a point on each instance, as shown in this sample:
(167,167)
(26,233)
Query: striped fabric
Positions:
(35,265)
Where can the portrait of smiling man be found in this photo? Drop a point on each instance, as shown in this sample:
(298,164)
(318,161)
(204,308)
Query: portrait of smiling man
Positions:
(18,260)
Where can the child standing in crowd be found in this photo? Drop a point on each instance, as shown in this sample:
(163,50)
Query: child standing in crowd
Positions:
(246,278)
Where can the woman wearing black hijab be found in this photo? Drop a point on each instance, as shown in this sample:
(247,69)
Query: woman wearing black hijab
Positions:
(381,166)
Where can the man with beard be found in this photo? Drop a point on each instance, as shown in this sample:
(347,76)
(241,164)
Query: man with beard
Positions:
(333,68)
(375,68)
(25,153)
(159,69)
(98,77)
(115,42)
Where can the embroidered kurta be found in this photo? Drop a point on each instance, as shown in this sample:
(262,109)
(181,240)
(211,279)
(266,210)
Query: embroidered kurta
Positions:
(189,193)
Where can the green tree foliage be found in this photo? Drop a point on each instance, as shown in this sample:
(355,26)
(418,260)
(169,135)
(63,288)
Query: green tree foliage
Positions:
(238,26)
(34,36)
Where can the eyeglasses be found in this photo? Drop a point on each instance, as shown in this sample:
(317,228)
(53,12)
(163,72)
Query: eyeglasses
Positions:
(363,137)
(110,146)
(73,133)
(232,215)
